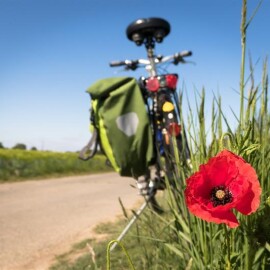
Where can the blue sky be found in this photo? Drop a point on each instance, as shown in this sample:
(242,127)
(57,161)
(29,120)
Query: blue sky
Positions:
(51,51)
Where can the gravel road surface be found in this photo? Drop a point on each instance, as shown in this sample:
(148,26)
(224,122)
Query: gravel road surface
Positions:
(41,219)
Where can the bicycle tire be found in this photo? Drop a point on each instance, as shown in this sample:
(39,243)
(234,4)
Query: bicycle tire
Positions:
(177,151)
(154,205)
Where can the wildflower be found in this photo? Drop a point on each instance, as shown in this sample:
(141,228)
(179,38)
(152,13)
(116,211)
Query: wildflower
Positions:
(226,182)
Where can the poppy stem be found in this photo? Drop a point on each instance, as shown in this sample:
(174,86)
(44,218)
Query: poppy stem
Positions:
(228,246)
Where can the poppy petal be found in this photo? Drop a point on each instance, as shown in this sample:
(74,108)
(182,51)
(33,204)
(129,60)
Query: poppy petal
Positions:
(216,216)
(221,169)
(250,201)
(226,217)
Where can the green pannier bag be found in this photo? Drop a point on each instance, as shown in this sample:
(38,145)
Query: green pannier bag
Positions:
(120,126)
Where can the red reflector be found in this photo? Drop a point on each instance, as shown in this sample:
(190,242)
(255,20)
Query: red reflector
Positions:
(152,84)
(174,129)
(171,81)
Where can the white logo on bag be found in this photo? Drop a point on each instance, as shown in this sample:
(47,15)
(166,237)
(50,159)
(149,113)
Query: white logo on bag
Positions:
(128,123)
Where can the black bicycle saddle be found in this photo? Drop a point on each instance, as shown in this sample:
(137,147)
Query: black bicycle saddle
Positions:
(150,28)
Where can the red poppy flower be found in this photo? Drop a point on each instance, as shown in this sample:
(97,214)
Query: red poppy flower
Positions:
(226,182)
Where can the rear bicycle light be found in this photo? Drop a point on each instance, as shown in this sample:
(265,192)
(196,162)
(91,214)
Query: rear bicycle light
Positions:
(171,81)
(154,83)
(174,129)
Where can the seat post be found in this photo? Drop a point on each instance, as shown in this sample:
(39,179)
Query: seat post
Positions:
(150,46)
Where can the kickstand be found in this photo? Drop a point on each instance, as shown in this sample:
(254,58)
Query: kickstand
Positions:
(134,218)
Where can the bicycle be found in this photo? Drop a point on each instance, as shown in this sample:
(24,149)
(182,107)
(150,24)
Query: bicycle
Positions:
(161,98)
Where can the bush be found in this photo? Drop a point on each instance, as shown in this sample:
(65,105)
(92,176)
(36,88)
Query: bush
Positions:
(20,146)
(18,164)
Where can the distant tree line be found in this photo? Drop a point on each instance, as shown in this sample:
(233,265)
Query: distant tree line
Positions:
(20,146)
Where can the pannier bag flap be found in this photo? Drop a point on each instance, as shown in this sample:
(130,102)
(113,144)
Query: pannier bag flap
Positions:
(123,124)
(102,88)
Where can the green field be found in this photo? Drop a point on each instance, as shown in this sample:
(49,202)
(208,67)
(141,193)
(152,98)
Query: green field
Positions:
(18,164)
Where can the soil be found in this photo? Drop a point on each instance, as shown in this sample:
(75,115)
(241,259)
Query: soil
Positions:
(42,219)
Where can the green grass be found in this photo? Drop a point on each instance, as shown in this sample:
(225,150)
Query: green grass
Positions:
(17,165)
(145,250)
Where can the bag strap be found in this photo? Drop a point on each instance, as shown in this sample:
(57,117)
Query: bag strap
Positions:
(87,153)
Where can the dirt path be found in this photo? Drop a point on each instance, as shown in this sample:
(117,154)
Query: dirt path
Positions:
(40,219)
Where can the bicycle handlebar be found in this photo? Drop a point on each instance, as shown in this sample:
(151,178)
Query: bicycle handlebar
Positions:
(117,63)
(133,64)
(128,63)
